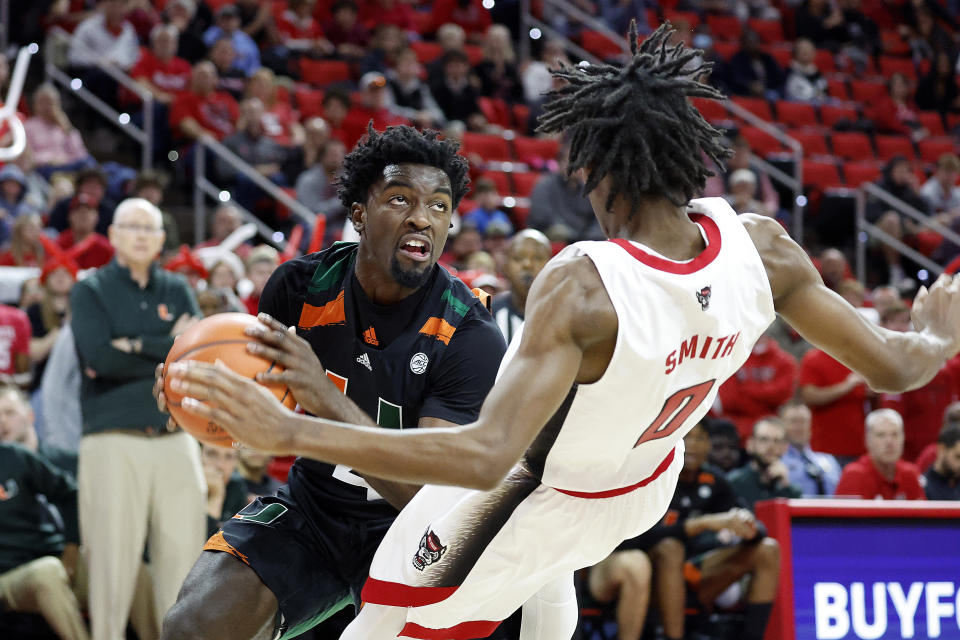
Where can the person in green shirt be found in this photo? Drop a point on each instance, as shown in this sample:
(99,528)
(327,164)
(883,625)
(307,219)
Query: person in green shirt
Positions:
(138,483)
(765,476)
(33,538)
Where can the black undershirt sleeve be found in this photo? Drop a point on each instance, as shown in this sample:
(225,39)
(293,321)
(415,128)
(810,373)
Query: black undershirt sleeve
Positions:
(465,374)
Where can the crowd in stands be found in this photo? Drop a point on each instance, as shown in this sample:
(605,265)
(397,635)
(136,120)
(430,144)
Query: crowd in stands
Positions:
(869,89)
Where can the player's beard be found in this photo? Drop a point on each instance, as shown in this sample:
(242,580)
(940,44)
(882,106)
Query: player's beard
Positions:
(409,277)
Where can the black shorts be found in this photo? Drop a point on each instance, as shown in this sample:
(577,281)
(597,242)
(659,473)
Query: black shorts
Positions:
(314,563)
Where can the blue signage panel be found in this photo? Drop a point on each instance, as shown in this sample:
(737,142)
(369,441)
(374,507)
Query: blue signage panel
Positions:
(876,579)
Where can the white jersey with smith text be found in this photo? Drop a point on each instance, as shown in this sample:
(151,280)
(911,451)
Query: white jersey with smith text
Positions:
(684,328)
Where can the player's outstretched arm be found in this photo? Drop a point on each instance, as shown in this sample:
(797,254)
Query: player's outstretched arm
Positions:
(568,315)
(888,360)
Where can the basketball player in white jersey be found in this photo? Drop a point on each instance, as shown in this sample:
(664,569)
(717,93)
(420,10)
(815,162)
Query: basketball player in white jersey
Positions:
(579,444)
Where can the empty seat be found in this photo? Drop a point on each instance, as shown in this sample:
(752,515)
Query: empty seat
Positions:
(782,55)
(857,173)
(501,179)
(496,111)
(932,122)
(770,31)
(824,61)
(711,110)
(761,142)
(890,146)
(830,114)
(852,146)
(757,106)
(932,148)
(726,50)
(523,183)
(309,101)
(821,175)
(488,147)
(676,17)
(867,92)
(320,73)
(600,44)
(890,65)
(837,88)
(426,51)
(724,27)
(521,118)
(796,114)
(814,142)
(535,151)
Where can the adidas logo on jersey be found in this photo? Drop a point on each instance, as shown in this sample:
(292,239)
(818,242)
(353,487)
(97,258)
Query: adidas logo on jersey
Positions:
(364,359)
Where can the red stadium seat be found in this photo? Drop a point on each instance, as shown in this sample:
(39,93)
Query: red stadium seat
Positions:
(932,122)
(495,110)
(676,17)
(837,88)
(426,51)
(866,92)
(821,175)
(309,101)
(782,55)
(770,31)
(757,106)
(852,146)
(487,147)
(521,118)
(726,50)
(814,142)
(501,179)
(890,65)
(890,146)
(830,114)
(711,110)
(894,43)
(535,151)
(932,148)
(761,142)
(725,27)
(474,53)
(600,44)
(953,122)
(523,183)
(857,173)
(796,114)
(320,73)
(824,61)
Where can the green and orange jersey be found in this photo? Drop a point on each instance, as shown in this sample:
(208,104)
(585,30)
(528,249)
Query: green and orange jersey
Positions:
(434,354)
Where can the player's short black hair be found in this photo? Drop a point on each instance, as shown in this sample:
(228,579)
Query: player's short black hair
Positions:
(400,145)
(635,123)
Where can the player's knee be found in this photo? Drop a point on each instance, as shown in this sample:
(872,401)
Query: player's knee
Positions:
(768,554)
(635,569)
(47,574)
(668,551)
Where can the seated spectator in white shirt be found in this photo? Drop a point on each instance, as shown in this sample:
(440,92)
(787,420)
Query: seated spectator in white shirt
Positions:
(804,83)
(814,473)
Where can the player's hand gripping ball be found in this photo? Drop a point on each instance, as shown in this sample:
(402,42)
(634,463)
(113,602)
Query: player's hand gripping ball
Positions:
(219,337)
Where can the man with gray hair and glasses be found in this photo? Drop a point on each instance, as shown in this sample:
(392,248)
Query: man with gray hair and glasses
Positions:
(136,480)
(881,473)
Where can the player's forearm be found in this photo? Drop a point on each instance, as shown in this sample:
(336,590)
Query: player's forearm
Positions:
(449,456)
(915,358)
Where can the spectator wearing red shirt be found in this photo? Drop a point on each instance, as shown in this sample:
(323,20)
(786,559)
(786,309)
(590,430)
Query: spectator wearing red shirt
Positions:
(280,121)
(395,12)
(374,98)
(344,30)
(835,396)
(300,32)
(203,109)
(470,15)
(88,248)
(896,113)
(336,106)
(15,335)
(882,473)
(758,389)
(922,409)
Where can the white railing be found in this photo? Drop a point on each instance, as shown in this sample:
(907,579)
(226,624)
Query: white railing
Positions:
(144,136)
(8,113)
(203,187)
(866,230)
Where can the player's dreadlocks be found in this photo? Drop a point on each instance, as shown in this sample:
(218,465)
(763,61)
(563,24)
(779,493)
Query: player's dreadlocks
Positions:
(635,124)
(400,145)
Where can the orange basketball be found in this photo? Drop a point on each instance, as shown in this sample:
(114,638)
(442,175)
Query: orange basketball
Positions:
(219,337)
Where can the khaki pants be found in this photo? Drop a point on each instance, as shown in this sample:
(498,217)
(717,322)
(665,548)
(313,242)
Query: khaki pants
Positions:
(42,586)
(135,489)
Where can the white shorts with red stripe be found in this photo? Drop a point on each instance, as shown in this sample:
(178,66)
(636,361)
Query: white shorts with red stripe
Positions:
(463,560)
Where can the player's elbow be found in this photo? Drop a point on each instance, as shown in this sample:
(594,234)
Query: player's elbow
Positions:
(487,471)
(892,379)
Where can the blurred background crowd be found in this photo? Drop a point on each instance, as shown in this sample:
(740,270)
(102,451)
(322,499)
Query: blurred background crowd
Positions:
(868,88)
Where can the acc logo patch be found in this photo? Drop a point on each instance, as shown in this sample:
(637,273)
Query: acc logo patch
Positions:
(429,552)
(419,362)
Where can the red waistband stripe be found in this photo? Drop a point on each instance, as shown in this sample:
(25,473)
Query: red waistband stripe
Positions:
(622,490)
(396,594)
(462,631)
